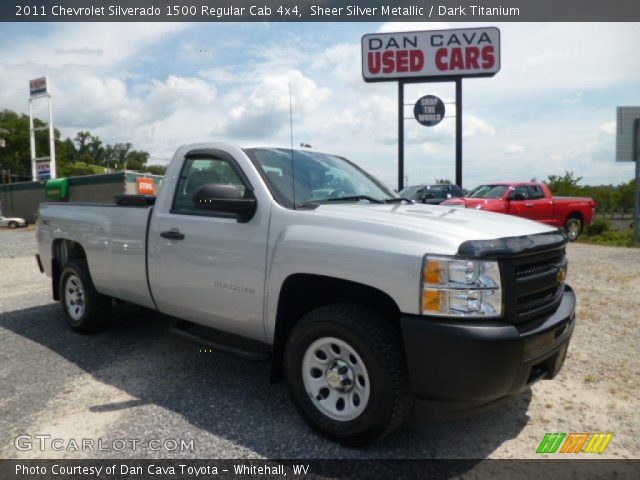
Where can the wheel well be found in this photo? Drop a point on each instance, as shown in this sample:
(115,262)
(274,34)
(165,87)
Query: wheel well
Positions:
(62,251)
(302,293)
(577,215)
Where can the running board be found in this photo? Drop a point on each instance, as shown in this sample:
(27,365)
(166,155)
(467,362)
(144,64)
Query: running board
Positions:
(242,347)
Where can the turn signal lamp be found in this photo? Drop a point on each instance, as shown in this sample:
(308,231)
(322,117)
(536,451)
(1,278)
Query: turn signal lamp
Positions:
(461,288)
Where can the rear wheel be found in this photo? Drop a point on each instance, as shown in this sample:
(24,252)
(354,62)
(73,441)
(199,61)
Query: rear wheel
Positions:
(13,225)
(573,227)
(345,366)
(85,310)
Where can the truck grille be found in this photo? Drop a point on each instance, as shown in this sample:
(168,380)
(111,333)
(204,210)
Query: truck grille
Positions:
(537,300)
(531,284)
(537,267)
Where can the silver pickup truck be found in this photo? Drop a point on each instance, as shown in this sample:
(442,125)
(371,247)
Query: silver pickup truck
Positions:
(361,300)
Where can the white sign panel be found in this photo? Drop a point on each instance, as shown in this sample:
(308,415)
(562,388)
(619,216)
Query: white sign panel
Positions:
(468,52)
(38,86)
(43,170)
(625,134)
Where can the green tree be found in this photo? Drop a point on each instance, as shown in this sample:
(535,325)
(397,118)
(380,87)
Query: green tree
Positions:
(443,181)
(15,156)
(136,159)
(155,169)
(96,150)
(66,152)
(82,139)
(564,185)
(120,152)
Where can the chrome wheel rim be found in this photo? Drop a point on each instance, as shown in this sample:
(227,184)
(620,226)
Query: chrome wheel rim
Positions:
(573,229)
(74,297)
(336,379)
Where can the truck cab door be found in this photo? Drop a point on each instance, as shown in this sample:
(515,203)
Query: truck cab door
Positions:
(543,206)
(522,202)
(206,266)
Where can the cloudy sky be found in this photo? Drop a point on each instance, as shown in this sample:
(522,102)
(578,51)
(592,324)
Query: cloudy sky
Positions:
(551,108)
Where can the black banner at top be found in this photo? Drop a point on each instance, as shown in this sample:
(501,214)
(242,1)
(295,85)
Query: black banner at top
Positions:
(319,10)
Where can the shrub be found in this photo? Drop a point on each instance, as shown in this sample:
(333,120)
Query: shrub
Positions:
(598,227)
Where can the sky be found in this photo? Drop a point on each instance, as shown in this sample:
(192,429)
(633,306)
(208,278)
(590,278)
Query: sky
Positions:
(551,108)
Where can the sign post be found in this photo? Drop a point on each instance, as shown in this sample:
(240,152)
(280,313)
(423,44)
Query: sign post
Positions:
(628,150)
(430,56)
(636,204)
(42,168)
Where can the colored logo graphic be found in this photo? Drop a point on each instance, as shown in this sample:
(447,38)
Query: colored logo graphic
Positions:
(574,442)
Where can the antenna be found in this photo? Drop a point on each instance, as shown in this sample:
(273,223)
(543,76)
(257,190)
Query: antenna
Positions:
(293,168)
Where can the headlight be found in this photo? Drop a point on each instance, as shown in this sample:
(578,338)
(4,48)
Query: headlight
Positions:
(461,288)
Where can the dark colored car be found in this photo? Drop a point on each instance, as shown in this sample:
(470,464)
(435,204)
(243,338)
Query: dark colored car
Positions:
(431,194)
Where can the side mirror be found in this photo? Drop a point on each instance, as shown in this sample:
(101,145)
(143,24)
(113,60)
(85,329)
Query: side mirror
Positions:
(216,197)
(518,196)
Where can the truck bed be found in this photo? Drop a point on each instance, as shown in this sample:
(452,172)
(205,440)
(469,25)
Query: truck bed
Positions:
(114,237)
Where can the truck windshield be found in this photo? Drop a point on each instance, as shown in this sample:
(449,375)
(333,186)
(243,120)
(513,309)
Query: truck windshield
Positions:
(319,177)
(488,191)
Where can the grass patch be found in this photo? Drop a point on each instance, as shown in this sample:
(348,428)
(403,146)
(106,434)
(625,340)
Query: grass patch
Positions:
(78,169)
(601,232)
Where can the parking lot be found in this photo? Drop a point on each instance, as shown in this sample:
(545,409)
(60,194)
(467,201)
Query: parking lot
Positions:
(135,381)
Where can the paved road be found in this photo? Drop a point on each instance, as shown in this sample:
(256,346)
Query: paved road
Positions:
(136,382)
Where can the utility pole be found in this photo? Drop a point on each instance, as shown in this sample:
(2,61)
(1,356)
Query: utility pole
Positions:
(636,204)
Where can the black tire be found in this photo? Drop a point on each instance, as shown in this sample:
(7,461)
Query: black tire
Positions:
(573,227)
(378,342)
(94,311)
(12,225)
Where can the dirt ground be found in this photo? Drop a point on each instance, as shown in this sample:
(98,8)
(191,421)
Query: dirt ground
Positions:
(136,381)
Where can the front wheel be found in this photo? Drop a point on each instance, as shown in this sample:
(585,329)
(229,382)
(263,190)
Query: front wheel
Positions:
(346,370)
(573,227)
(13,225)
(85,310)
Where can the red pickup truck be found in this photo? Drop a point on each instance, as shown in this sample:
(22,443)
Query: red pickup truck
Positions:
(531,200)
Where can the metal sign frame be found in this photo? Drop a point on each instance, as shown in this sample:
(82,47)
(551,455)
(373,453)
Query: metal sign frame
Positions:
(402,80)
(37,95)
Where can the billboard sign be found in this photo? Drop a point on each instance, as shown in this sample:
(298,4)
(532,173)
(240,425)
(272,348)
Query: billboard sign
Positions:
(38,86)
(43,170)
(429,54)
(627,141)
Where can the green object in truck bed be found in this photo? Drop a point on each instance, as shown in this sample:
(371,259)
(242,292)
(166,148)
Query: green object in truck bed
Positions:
(57,188)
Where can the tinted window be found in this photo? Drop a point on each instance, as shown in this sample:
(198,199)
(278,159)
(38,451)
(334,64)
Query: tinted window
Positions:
(523,189)
(200,171)
(488,191)
(536,192)
(412,193)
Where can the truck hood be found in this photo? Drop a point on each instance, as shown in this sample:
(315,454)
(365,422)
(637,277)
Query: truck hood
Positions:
(443,226)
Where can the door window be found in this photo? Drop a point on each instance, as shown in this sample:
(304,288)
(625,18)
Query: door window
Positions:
(200,171)
(536,192)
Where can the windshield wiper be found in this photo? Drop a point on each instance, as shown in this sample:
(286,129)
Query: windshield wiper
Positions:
(310,203)
(349,198)
(397,199)
(356,198)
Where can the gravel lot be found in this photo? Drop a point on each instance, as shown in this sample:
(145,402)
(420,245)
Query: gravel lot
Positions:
(137,382)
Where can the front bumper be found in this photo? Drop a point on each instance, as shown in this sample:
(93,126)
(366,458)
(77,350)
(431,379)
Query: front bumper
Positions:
(459,367)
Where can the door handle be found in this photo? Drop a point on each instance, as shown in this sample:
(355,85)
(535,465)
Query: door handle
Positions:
(173,234)
(529,205)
